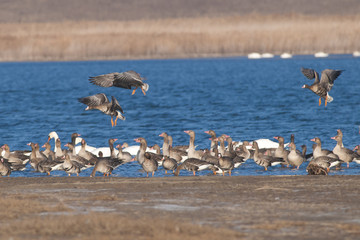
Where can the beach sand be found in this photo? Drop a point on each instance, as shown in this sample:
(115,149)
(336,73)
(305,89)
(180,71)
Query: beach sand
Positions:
(210,207)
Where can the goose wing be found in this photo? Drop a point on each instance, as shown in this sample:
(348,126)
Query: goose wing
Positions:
(94,100)
(328,77)
(310,74)
(115,105)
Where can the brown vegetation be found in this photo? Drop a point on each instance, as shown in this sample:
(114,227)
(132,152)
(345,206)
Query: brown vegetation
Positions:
(168,38)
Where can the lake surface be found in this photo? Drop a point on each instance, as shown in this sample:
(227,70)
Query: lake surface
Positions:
(247,99)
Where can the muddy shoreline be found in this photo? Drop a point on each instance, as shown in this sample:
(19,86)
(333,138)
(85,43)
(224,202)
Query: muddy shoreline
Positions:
(250,207)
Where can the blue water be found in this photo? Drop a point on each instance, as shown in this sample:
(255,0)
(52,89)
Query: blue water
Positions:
(246,99)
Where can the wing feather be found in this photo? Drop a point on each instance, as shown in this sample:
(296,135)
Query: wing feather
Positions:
(115,105)
(328,77)
(310,74)
(94,100)
(105,80)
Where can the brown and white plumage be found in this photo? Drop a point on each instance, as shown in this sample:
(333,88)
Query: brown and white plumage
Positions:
(101,102)
(125,80)
(322,86)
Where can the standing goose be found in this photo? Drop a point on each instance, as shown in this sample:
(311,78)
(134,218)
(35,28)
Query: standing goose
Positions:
(4,167)
(102,165)
(169,164)
(125,156)
(125,80)
(280,151)
(70,166)
(265,160)
(226,164)
(192,153)
(295,158)
(345,154)
(319,151)
(101,102)
(86,154)
(143,146)
(321,87)
(149,164)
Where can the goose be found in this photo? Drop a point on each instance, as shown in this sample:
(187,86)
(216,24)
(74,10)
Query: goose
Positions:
(125,80)
(280,151)
(345,154)
(71,167)
(169,164)
(123,155)
(194,165)
(86,154)
(5,169)
(265,160)
(192,153)
(101,102)
(13,158)
(149,164)
(322,86)
(295,158)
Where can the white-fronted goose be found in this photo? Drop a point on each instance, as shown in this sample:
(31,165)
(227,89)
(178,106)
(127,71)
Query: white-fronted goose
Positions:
(193,165)
(101,102)
(103,166)
(213,136)
(192,153)
(243,151)
(345,154)
(143,147)
(265,160)
(149,164)
(13,157)
(71,167)
(168,151)
(295,158)
(125,156)
(48,152)
(169,164)
(86,154)
(4,167)
(125,80)
(59,152)
(319,151)
(74,157)
(321,87)
(157,156)
(226,164)
(280,151)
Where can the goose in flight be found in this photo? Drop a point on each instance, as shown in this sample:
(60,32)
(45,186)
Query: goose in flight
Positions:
(125,80)
(322,86)
(101,102)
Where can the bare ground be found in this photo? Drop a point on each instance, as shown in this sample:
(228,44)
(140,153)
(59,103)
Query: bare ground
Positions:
(242,207)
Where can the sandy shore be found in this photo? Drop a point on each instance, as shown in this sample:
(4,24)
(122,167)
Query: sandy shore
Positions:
(251,207)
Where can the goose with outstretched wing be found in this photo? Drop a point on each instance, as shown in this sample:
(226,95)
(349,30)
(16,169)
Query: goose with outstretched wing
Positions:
(101,102)
(323,85)
(125,80)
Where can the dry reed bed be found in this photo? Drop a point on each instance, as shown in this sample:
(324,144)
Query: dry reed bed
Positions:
(179,37)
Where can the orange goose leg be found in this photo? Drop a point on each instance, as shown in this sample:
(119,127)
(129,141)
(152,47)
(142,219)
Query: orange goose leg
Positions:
(133,92)
(112,122)
(194,173)
(319,101)
(229,172)
(116,121)
(325,100)
(143,91)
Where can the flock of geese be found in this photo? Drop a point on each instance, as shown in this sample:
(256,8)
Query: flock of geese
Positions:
(222,156)
(218,158)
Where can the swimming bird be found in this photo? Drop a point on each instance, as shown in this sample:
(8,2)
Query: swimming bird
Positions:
(125,80)
(101,102)
(322,86)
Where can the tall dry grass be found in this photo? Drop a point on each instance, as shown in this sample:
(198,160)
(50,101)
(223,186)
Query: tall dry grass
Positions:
(167,38)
